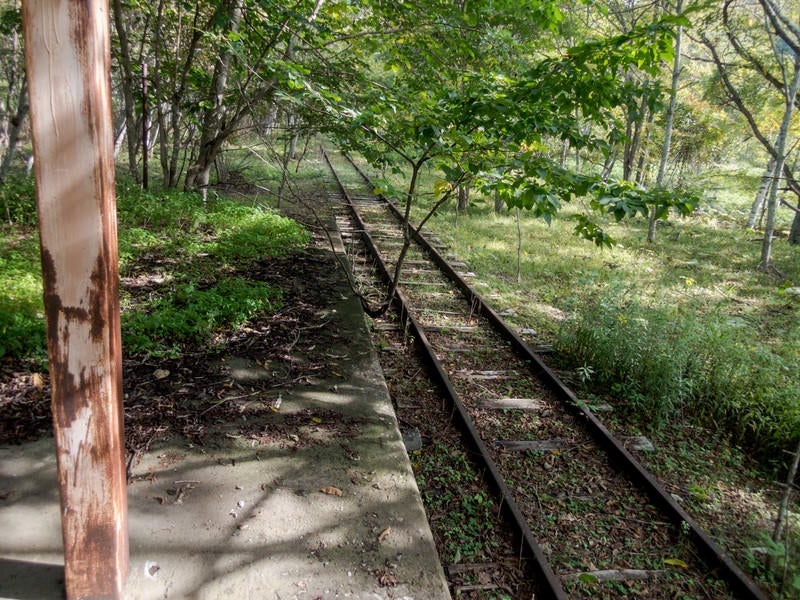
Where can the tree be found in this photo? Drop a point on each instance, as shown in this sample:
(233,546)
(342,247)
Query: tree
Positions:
(257,58)
(670,118)
(742,62)
(216,68)
(496,129)
(14,103)
(125,64)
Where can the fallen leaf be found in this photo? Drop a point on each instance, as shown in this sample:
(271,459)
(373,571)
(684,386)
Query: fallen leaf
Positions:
(37,380)
(675,562)
(160,374)
(386,578)
(384,534)
(331,491)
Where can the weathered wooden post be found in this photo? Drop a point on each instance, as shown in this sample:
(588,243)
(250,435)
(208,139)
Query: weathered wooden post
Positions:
(68,60)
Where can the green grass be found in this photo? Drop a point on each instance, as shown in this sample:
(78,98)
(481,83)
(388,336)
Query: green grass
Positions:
(21,311)
(452,487)
(194,247)
(683,327)
(187,315)
(17,200)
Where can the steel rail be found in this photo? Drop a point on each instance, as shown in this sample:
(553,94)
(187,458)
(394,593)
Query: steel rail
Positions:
(546,581)
(714,555)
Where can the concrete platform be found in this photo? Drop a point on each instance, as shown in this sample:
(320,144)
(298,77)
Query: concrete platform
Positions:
(239,519)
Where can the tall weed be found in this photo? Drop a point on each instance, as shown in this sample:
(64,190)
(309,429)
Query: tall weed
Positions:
(664,364)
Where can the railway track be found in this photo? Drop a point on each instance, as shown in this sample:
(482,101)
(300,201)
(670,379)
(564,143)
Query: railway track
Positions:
(590,521)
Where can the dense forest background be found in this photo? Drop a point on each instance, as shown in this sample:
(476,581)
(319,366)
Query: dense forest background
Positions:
(536,102)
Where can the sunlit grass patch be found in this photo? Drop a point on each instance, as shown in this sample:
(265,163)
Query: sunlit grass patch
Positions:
(189,243)
(697,287)
(21,309)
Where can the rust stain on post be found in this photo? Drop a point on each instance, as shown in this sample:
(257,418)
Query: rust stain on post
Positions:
(68,60)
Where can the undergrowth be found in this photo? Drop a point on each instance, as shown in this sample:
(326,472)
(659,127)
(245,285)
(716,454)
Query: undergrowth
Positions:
(18,200)
(668,363)
(450,486)
(195,246)
(189,315)
(685,326)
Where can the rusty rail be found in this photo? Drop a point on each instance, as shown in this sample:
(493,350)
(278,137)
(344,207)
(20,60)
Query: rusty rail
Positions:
(547,582)
(711,551)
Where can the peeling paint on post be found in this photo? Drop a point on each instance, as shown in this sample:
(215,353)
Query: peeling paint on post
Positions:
(68,61)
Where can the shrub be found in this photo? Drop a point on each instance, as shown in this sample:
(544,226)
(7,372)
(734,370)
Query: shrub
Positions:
(18,199)
(22,329)
(181,224)
(663,364)
(166,211)
(180,232)
(266,234)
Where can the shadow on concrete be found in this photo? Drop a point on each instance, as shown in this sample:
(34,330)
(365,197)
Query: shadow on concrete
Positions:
(323,509)
(28,580)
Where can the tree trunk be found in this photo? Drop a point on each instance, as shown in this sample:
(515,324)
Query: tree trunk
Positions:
(499,203)
(673,96)
(211,136)
(14,129)
(292,132)
(643,165)
(777,533)
(145,131)
(780,148)
(127,83)
(158,93)
(14,71)
(668,125)
(119,137)
(634,134)
(519,247)
(172,175)
(794,233)
(763,188)
(608,165)
(199,174)
(463,198)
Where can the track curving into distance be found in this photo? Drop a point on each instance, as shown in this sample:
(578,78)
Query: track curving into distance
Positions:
(570,488)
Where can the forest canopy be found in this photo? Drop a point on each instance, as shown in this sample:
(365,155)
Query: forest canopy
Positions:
(498,95)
